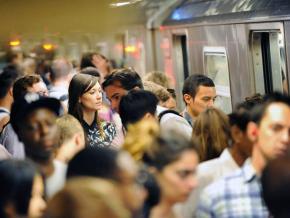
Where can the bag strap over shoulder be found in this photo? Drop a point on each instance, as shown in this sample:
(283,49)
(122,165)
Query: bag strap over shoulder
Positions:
(167,112)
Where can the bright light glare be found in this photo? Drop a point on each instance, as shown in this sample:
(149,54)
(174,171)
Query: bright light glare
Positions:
(130,49)
(14,43)
(47,46)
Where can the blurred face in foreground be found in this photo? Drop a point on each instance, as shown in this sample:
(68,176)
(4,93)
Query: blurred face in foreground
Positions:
(178,178)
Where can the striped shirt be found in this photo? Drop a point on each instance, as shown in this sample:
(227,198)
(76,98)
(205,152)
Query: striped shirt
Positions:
(235,196)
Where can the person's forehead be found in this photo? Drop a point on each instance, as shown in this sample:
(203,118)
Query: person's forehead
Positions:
(41,111)
(96,86)
(116,87)
(277,112)
(39,86)
(206,90)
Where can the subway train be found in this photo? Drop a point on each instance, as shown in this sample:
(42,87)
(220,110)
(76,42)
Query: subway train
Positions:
(243,45)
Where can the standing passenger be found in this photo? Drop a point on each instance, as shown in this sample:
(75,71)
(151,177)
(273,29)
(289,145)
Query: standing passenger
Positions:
(7,78)
(85,99)
(34,120)
(198,94)
(60,76)
(239,194)
(21,190)
(172,160)
(121,81)
(231,159)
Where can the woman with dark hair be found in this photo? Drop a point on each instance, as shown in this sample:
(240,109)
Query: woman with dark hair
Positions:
(21,190)
(85,99)
(172,160)
(97,60)
(112,165)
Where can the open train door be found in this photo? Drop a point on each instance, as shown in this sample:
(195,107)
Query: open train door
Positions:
(181,70)
(267,46)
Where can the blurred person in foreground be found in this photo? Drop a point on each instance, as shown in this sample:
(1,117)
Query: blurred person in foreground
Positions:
(275,185)
(113,165)
(21,190)
(87,197)
(22,86)
(172,160)
(240,192)
(34,121)
(71,139)
(230,160)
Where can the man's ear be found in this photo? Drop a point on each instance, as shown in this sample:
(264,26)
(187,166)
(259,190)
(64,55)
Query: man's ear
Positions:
(136,88)
(252,131)
(236,134)
(187,98)
(10,91)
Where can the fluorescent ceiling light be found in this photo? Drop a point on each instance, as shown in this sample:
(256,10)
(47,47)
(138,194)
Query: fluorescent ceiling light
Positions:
(123,3)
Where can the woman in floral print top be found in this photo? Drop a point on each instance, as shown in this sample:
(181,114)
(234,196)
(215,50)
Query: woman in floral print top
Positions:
(85,99)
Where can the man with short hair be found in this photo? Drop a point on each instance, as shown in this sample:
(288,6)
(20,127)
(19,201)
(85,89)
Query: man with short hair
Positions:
(72,138)
(230,160)
(198,94)
(137,105)
(33,118)
(60,77)
(22,86)
(239,194)
(120,82)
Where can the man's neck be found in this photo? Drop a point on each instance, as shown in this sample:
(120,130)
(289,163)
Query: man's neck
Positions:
(238,157)
(47,167)
(60,83)
(258,160)
(5,103)
(191,115)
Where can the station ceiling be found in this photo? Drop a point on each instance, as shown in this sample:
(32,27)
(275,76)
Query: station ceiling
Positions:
(63,16)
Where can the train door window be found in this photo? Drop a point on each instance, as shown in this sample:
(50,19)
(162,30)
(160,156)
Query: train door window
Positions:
(216,67)
(268,53)
(181,62)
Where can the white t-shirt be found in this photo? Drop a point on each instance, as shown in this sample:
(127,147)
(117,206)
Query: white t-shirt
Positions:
(56,181)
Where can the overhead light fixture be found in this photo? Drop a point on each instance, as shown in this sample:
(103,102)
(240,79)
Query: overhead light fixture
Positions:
(14,42)
(121,3)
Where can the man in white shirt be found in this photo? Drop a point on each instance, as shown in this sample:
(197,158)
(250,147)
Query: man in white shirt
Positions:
(231,159)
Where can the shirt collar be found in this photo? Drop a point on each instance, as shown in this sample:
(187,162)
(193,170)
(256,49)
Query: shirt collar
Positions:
(186,116)
(248,170)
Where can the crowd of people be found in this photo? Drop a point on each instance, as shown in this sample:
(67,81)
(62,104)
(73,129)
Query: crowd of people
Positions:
(91,141)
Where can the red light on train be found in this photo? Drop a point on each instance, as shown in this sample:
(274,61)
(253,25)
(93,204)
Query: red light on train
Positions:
(130,49)
(14,43)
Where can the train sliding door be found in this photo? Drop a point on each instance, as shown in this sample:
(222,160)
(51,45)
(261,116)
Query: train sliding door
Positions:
(181,70)
(268,55)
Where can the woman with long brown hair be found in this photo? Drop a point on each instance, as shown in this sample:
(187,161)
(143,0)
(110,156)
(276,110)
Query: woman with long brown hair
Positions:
(211,131)
(85,99)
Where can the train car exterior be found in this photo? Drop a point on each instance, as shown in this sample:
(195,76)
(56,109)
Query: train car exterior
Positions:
(243,45)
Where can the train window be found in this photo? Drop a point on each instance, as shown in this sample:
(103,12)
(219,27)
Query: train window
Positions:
(268,53)
(216,67)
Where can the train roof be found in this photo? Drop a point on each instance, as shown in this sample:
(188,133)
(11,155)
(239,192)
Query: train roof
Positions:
(228,11)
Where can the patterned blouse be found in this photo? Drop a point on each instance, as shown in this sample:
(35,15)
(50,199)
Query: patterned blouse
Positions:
(93,134)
